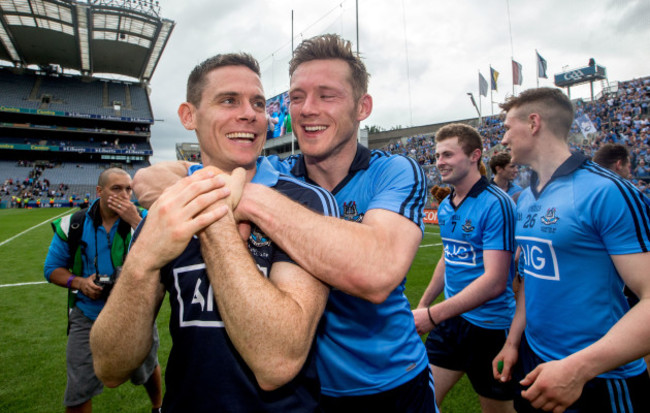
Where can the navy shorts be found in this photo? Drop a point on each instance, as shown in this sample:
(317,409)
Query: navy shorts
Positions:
(456,344)
(599,395)
(414,396)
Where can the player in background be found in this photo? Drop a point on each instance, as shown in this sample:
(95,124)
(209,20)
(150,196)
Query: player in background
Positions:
(584,233)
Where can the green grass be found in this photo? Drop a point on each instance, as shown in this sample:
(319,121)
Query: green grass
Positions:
(33,323)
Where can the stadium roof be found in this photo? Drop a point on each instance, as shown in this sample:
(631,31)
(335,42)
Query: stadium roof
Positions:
(124,37)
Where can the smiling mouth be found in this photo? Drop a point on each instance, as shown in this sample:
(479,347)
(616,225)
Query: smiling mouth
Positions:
(241,135)
(315,128)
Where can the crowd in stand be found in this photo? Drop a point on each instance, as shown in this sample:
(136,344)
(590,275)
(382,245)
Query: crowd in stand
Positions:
(621,117)
(20,192)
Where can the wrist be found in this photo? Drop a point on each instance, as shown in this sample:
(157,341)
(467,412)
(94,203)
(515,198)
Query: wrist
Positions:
(68,283)
(433,322)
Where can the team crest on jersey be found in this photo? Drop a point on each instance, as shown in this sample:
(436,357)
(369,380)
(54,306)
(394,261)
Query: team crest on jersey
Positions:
(467,227)
(258,238)
(350,212)
(550,218)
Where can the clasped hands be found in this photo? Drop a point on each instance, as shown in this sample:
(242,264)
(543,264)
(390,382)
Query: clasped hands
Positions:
(185,209)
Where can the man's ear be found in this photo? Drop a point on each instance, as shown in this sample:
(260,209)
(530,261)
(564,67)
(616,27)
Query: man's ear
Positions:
(534,122)
(475,156)
(364,108)
(186,113)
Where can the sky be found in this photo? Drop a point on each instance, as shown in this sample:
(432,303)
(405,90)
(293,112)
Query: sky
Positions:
(423,56)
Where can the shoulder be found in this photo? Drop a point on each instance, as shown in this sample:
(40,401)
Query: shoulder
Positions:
(386,165)
(307,194)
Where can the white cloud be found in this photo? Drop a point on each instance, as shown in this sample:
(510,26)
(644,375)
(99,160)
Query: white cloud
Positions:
(446,44)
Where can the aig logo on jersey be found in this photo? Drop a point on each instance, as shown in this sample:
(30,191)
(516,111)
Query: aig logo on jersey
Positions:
(459,252)
(195,297)
(539,258)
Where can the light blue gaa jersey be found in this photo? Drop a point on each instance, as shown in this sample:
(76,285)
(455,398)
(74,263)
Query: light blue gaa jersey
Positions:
(574,294)
(484,220)
(365,348)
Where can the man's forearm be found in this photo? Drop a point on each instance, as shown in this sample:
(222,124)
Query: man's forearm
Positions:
(121,336)
(368,259)
(268,327)
(436,285)
(149,183)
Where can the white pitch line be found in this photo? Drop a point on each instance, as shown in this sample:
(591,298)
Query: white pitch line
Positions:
(29,229)
(430,245)
(19,284)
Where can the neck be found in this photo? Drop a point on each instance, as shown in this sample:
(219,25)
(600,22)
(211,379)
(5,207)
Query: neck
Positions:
(329,171)
(546,162)
(501,182)
(461,189)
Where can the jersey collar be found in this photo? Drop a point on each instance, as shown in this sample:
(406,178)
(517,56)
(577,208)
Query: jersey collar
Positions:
(476,190)
(360,162)
(568,167)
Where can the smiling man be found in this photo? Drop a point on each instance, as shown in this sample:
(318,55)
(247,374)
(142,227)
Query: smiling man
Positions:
(584,234)
(369,355)
(469,327)
(243,314)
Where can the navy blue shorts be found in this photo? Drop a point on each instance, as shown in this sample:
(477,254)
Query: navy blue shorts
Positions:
(456,344)
(414,396)
(599,395)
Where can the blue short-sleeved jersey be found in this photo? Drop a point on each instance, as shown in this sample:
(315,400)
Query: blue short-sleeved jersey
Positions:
(205,373)
(484,220)
(567,233)
(365,348)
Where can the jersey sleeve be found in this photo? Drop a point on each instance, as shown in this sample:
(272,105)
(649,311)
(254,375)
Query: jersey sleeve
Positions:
(58,256)
(499,228)
(400,187)
(620,215)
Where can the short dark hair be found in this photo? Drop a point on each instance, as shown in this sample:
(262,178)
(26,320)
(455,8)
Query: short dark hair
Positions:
(196,80)
(468,137)
(551,104)
(102,180)
(330,47)
(610,153)
(501,160)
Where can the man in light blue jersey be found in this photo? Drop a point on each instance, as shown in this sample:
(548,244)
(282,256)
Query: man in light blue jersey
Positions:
(470,326)
(369,355)
(584,233)
(504,173)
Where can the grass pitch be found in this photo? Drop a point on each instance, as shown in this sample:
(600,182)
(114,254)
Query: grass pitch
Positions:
(33,323)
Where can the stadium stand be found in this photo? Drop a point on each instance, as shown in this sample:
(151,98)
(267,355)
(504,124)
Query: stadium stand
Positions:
(61,123)
(618,115)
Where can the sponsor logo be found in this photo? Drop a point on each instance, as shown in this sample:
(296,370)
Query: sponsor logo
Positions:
(195,298)
(459,252)
(540,260)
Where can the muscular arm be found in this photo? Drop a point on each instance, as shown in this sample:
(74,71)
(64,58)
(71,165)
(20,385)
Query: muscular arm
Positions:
(559,383)
(484,288)
(149,183)
(121,336)
(368,259)
(422,322)
(510,351)
(271,321)
(436,285)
